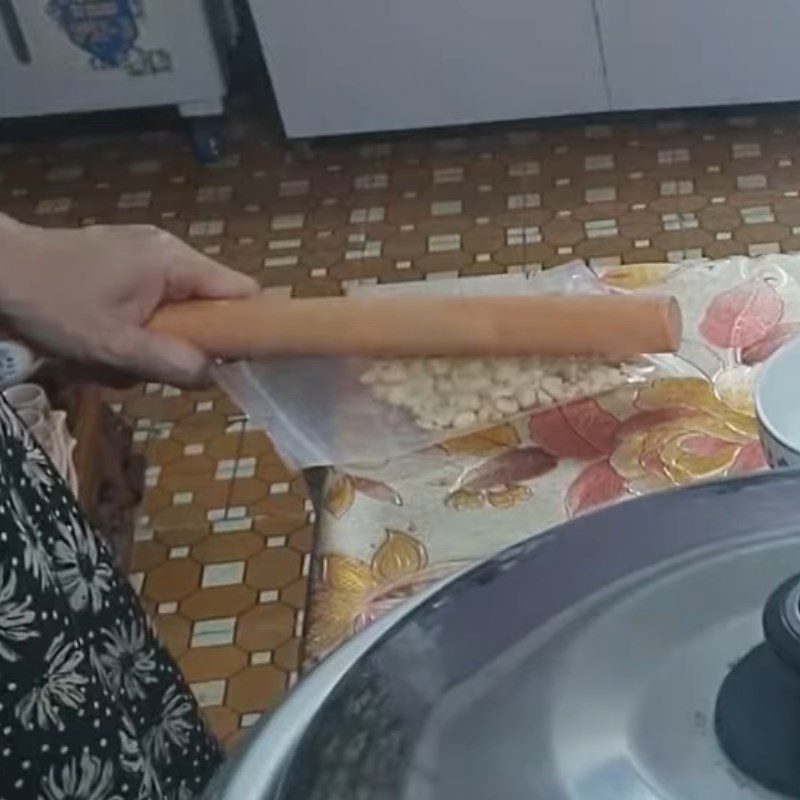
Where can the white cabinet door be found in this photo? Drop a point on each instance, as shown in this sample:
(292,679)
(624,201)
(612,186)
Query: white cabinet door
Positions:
(673,53)
(372,65)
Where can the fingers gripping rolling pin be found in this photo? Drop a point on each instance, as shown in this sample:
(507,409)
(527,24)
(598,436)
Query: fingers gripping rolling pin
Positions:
(611,326)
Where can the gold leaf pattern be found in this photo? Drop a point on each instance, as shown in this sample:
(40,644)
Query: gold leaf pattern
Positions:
(331,622)
(671,392)
(340,496)
(636,276)
(626,456)
(510,496)
(483,443)
(464,500)
(696,394)
(399,555)
(682,465)
(704,443)
(347,574)
(351,592)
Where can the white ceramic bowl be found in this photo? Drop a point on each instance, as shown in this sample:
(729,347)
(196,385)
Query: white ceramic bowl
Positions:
(777,398)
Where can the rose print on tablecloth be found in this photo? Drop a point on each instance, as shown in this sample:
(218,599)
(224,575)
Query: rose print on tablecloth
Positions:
(680,431)
(500,479)
(580,430)
(597,485)
(742,316)
(584,431)
(747,324)
(697,437)
(634,440)
(779,336)
(746,320)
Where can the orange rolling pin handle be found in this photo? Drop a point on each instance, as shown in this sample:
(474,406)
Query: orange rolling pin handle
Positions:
(612,326)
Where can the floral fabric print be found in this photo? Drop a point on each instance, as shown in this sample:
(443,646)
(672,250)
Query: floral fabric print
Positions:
(390,530)
(91,705)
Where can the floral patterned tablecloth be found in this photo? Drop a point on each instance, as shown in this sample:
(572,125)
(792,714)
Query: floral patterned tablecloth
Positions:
(387,532)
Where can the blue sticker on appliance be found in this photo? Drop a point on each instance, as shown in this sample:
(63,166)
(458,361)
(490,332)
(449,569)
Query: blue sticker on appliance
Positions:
(107,30)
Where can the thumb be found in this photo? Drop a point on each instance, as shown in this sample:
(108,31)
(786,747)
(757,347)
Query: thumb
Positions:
(156,357)
(196,276)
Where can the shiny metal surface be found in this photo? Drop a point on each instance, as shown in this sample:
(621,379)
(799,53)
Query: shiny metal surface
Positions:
(583,664)
(617,699)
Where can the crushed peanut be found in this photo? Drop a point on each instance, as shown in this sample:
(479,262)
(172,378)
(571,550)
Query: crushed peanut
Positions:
(460,393)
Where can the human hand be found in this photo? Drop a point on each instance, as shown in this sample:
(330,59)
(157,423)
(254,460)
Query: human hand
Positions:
(86,295)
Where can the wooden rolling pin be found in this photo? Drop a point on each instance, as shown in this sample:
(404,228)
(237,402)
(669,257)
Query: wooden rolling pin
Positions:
(615,326)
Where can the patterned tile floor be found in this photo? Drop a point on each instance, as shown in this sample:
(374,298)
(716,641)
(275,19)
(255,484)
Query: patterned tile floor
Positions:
(224,540)
(222,550)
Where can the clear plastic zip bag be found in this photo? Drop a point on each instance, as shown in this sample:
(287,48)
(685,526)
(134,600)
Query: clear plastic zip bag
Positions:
(322,411)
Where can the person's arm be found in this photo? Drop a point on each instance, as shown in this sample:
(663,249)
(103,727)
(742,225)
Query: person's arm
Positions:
(85,294)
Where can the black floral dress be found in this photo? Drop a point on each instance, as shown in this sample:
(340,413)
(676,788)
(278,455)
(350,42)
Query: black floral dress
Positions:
(91,705)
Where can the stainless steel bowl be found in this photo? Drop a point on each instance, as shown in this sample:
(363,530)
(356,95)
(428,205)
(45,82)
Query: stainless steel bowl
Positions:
(583,664)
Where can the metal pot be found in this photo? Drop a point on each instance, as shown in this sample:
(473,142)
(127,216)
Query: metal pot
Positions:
(585,664)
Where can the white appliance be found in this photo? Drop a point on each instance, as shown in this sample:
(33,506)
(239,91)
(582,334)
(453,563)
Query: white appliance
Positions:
(61,56)
(376,65)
